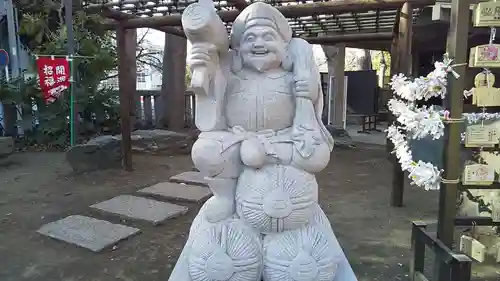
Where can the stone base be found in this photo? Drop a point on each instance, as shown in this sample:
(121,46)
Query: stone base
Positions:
(289,255)
(140,208)
(195,178)
(178,191)
(86,232)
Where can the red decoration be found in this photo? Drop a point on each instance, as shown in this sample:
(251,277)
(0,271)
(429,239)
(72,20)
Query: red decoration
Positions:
(54,77)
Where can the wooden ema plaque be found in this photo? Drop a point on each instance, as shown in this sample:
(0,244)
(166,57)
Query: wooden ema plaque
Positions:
(478,174)
(486,14)
(479,135)
(495,209)
(484,94)
(485,56)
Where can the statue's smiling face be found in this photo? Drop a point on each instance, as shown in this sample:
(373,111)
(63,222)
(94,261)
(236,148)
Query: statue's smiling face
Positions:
(262,48)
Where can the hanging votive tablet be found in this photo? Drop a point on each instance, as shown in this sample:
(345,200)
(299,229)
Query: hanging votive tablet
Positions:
(481,136)
(485,94)
(478,174)
(495,209)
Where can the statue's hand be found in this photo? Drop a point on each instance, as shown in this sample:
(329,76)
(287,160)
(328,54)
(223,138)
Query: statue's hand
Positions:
(201,55)
(305,139)
(253,153)
(306,88)
(301,87)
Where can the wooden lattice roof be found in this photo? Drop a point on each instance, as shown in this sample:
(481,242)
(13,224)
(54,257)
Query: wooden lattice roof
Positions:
(315,22)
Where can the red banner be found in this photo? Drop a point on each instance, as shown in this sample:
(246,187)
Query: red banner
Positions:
(54,77)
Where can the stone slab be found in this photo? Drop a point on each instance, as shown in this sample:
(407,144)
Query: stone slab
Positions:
(341,137)
(191,177)
(178,191)
(87,232)
(141,208)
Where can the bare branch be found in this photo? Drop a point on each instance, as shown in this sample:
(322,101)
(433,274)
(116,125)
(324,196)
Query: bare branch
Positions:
(141,40)
(110,77)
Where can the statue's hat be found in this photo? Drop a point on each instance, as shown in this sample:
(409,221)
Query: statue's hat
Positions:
(259,13)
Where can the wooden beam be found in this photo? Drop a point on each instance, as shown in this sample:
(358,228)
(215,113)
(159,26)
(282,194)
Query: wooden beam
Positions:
(238,4)
(120,16)
(301,10)
(370,45)
(344,38)
(127,77)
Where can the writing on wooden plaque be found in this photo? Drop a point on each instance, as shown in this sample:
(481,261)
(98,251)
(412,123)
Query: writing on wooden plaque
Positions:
(487,14)
(478,174)
(485,56)
(479,135)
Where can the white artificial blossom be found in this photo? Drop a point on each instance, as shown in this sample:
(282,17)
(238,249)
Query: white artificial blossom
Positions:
(424,88)
(474,117)
(422,174)
(418,122)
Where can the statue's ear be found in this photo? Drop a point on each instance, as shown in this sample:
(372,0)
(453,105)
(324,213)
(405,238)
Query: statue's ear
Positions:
(236,62)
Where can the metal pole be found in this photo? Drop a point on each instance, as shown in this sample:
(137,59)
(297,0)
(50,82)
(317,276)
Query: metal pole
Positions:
(11,29)
(68,6)
(14,60)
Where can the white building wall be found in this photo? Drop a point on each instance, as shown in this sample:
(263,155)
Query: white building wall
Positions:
(147,80)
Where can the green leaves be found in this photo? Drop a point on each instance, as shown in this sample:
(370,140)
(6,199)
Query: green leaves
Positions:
(43,31)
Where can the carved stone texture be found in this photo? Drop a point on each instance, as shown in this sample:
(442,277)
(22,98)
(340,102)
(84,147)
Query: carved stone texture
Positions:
(259,106)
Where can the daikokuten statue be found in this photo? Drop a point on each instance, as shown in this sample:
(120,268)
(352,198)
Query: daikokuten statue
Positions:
(259,105)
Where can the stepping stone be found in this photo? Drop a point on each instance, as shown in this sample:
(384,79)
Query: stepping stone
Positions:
(195,178)
(178,191)
(141,208)
(87,232)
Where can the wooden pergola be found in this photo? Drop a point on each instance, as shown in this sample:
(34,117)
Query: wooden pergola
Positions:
(365,24)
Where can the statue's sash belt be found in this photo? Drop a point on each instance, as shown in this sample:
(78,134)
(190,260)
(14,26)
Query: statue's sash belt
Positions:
(238,134)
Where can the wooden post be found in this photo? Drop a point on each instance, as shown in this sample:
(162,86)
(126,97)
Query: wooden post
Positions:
(148,111)
(448,192)
(10,119)
(401,63)
(456,49)
(127,75)
(339,98)
(174,85)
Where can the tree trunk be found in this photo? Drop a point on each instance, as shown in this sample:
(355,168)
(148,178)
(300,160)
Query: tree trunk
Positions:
(365,61)
(172,96)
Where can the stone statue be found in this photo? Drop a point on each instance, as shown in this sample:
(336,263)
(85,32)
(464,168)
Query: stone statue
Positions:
(259,104)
